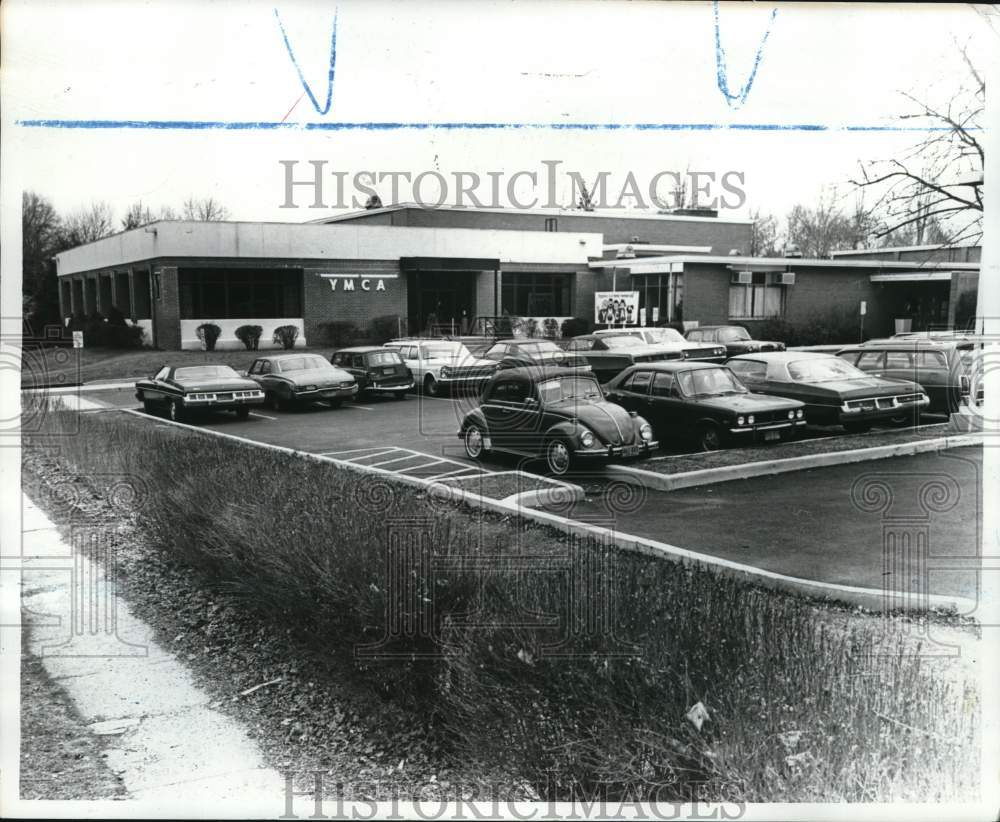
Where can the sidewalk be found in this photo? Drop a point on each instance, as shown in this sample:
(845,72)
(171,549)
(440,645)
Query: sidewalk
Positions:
(169,744)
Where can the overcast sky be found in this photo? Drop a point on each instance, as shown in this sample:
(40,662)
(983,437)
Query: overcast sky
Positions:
(506,62)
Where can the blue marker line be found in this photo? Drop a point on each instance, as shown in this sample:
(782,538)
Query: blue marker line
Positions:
(325,108)
(229,125)
(738,99)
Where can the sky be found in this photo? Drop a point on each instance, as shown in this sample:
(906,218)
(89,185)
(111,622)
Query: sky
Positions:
(553,63)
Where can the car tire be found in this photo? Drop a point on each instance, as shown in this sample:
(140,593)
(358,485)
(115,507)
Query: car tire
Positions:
(242,413)
(175,411)
(474,440)
(335,403)
(857,427)
(431,387)
(710,438)
(558,457)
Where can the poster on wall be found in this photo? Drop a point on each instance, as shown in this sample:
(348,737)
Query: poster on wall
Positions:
(616,307)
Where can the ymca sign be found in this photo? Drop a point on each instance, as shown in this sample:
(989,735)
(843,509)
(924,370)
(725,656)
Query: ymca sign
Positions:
(355,282)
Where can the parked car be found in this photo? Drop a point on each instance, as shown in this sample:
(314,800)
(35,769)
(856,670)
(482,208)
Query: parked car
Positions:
(735,338)
(944,368)
(438,366)
(706,402)
(554,413)
(834,391)
(518,353)
(671,340)
(375,369)
(180,389)
(610,354)
(294,379)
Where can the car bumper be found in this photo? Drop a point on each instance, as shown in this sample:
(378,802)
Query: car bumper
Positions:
(876,414)
(381,388)
(452,379)
(329,393)
(617,452)
(764,431)
(222,405)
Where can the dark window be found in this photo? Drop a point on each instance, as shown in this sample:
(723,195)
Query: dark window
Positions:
(535,295)
(510,391)
(581,345)
(223,293)
(662,383)
(638,382)
(870,359)
(341,359)
(551,224)
(898,359)
(163,373)
(748,369)
(933,359)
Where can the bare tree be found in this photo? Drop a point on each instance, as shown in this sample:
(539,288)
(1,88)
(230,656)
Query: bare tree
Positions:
(206,209)
(764,239)
(88,224)
(137,216)
(939,180)
(815,232)
(41,238)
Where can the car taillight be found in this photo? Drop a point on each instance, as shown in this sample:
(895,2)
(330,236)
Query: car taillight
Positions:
(966,385)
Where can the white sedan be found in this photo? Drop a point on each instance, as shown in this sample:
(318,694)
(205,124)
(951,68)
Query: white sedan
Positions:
(439,365)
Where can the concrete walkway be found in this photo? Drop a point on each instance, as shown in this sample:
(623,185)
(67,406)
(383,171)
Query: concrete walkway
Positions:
(167,743)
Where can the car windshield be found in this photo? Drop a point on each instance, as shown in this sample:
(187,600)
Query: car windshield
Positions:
(823,369)
(733,333)
(205,372)
(540,347)
(568,388)
(622,342)
(309,363)
(664,335)
(384,358)
(710,382)
(445,351)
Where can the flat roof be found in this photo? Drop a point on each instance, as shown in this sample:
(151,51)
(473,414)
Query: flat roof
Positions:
(303,241)
(889,249)
(651,265)
(621,214)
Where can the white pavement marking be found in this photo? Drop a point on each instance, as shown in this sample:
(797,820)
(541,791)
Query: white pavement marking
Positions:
(463,471)
(262,416)
(359,407)
(113,670)
(423,465)
(397,459)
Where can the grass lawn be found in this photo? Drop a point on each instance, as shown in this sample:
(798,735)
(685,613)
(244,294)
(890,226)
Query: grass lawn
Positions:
(69,366)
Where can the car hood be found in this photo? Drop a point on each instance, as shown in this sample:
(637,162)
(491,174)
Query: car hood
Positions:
(866,387)
(218,385)
(464,362)
(611,423)
(747,403)
(317,376)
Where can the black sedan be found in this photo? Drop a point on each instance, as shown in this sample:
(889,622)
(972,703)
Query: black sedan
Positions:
(296,379)
(178,390)
(704,401)
(554,413)
(834,391)
(735,338)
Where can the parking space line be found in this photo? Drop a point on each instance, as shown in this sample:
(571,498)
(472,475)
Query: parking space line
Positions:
(396,459)
(351,451)
(371,456)
(424,465)
(359,407)
(460,471)
(262,416)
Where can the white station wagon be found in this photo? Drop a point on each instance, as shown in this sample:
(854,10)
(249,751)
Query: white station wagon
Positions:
(440,365)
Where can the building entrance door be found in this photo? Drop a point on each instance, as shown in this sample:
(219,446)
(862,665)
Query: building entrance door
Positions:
(438,298)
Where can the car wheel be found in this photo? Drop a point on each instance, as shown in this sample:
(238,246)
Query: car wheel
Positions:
(431,387)
(475,442)
(710,438)
(558,457)
(857,427)
(242,413)
(335,403)
(175,411)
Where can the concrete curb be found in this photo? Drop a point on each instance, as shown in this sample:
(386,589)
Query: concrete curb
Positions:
(728,473)
(872,598)
(77,389)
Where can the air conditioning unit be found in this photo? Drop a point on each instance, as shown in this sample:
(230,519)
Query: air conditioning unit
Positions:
(743,277)
(788,278)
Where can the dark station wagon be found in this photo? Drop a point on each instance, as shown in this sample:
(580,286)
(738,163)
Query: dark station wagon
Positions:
(555,413)
(179,390)
(735,338)
(706,402)
(376,370)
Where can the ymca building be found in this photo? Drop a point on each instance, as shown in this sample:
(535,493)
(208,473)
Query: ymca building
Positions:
(447,266)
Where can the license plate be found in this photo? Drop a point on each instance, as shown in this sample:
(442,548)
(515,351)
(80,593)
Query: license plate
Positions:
(389,371)
(772,435)
(630,450)
(223,396)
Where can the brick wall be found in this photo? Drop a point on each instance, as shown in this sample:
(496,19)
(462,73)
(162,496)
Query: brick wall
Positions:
(322,304)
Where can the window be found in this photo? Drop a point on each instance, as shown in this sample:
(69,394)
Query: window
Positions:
(933,359)
(265,366)
(638,383)
(341,359)
(898,359)
(510,391)
(535,295)
(568,388)
(551,224)
(869,360)
(163,373)
(358,361)
(763,297)
(695,336)
(222,293)
(662,383)
(496,353)
(661,296)
(580,345)
(748,369)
